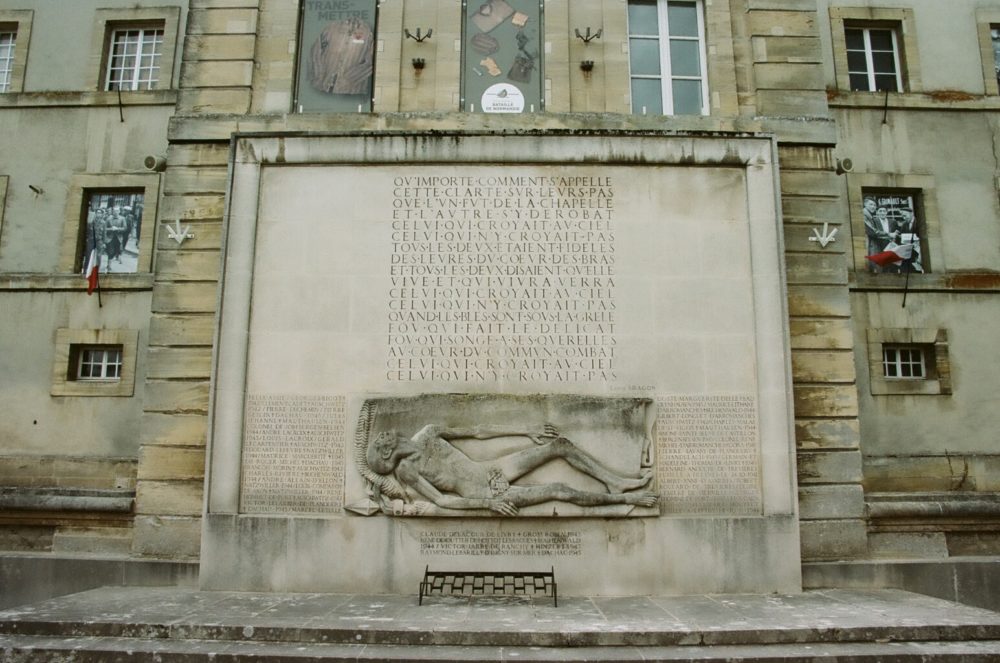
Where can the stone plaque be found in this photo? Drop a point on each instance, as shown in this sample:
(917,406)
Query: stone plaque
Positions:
(293,454)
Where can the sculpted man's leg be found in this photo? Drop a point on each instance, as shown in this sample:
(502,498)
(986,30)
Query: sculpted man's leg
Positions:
(528,495)
(518,464)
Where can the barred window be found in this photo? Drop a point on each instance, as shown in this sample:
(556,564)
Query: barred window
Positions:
(98,362)
(8,41)
(904,362)
(134,58)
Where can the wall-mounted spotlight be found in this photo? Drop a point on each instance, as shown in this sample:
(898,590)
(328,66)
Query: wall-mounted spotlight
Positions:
(588,37)
(418,64)
(587,66)
(416,37)
(154,163)
(844,166)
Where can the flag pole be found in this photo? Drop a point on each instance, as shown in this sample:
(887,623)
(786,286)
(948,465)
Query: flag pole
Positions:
(93,238)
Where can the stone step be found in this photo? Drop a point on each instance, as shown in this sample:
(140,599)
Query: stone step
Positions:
(827,625)
(90,649)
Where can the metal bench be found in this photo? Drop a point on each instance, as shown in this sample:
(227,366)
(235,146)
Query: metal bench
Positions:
(472,583)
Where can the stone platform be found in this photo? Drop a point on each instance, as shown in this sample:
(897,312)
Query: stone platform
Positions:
(170,624)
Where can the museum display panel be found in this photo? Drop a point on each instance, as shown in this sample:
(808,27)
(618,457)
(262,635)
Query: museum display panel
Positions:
(562,350)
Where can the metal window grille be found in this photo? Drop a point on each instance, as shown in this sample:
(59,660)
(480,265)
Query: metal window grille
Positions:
(99,362)
(7,42)
(903,362)
(667,58)
(134,59)
(873,59)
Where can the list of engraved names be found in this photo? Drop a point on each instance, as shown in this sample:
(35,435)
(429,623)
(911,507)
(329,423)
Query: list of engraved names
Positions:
(501,278)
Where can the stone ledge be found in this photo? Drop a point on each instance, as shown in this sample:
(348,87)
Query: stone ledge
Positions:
(49,281)
(87,98)
(66,499)
(933,505)
(944,100)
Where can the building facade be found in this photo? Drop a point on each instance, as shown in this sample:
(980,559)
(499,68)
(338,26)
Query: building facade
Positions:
(120,143)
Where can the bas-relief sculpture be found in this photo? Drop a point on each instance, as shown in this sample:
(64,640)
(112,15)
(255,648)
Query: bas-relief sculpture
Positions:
(461,468)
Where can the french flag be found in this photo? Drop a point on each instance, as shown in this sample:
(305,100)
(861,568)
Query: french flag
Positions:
(93,266)
(892,256)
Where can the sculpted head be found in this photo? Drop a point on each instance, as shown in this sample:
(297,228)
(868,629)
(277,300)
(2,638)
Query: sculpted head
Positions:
(382,450)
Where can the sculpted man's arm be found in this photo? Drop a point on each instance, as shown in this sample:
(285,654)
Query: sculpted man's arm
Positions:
(485,432)
(412,477)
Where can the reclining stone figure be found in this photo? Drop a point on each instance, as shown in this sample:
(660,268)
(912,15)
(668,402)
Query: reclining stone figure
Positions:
(429,464)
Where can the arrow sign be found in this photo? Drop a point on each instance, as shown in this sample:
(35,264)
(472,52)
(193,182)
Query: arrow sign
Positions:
(823,238)
(179,234)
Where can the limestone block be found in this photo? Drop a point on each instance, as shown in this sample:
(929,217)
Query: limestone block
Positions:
(833,539)
(214,4)
(829,467)
(821,334)
(195,180)
(789,76)
(188,266)
(176,397)
(907,545)
(788,5)
(188,207)
(185,297)
(809,209)
(815,301)
(820,366)
(222,21)
(171,463)
(173,429)
(806,157)
(782,23)
(786,49)
(801,238)
(203,235)
(811,183)
(193,329)
(825,400)
(163,536)
(221,73)
(166,363)
(918,473)
(198,154)
(827,434)
(218,47)
(831,502)
(813,269)
(792,103)
(93,540)
(169,498)
(214,100)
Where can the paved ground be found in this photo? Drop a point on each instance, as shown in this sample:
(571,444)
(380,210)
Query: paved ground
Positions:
(815,623)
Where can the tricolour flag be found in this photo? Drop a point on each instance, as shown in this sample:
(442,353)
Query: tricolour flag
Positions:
(91,269)
(891,256)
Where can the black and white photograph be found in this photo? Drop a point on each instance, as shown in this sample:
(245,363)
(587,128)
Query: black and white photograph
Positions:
(113,225)
(891,221)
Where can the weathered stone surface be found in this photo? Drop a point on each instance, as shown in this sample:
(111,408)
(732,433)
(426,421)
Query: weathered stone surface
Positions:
(171,498)
(171,463)
(831,502)
(833,539)
(829,467)
(169,537)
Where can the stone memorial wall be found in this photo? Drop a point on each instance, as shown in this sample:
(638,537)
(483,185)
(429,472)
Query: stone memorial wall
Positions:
(442,358)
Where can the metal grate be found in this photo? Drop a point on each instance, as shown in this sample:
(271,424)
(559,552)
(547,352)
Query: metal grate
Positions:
(473,583)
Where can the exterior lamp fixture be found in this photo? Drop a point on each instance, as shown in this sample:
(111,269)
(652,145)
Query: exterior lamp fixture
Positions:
(587,66)
(417,38)
(418,64)
(588,37)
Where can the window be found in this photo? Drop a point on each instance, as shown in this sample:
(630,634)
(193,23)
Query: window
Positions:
(873,59)
(7,41)
(874,49)
(909,361)
(667,57)
(133,49)
(903,362)
(336,56)
(96,362)
(15,33)
(502,56)
(995,41)
(114,215)
(134,58)
(988,30)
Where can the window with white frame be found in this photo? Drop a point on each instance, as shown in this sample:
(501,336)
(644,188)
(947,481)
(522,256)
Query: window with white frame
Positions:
(904,362)
(97,362)
(995,41)
(667,57)
(8,40)
(134,58)
(873,59)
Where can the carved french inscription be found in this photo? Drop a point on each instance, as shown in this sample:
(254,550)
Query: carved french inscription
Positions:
(293,454)
(707,454)
(521,543)
(502,279)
